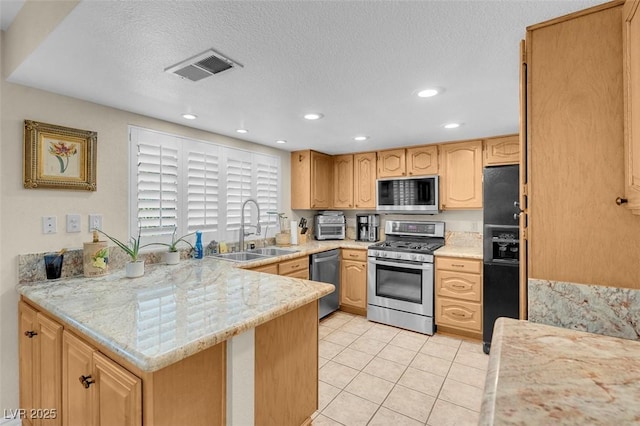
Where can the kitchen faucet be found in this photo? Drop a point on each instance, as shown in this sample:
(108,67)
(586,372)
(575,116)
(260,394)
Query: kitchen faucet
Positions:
(242,225)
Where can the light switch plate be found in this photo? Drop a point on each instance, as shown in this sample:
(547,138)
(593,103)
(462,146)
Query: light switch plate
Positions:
(49,225)
(95,222)
(73,223)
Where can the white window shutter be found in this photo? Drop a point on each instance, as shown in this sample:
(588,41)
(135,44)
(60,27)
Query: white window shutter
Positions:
(202,187)
(156,185)
(267,183)
(238,168)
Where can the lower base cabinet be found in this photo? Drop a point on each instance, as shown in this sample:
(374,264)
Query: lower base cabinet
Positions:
(458,296)
(95,390)
(353,281)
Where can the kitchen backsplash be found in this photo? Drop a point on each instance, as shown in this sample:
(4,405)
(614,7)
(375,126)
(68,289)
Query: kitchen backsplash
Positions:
(611,311)
(463,239)
(31,266)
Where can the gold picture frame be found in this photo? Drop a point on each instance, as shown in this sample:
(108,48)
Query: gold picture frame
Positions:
(59,157)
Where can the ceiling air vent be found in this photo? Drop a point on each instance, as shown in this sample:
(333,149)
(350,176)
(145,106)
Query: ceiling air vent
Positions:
(203,65)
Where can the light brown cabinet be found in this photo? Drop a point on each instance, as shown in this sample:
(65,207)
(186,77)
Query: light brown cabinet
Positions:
(576,150)
(311,180)
(415,161)
(353,281)
(422,160)
(458,289)
(364,180)
(97,391)
(40,349)
(295,268)
(343,181)
(631,81)
(502,151)
(392,163)
(75,379)
(461,175)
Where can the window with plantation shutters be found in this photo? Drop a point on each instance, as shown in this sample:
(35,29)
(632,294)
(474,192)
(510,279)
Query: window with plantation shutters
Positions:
(189,185)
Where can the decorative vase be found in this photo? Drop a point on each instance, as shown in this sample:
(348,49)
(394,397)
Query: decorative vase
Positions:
(172,257)
(134,269)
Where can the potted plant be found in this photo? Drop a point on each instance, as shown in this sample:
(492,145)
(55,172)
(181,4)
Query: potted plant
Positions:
(134,268)
(172,256)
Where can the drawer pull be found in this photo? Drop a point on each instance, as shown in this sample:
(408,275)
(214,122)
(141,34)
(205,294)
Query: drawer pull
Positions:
(458,314)
(30,334)
(353,255)
(86,381)
(457,265)
(458,286)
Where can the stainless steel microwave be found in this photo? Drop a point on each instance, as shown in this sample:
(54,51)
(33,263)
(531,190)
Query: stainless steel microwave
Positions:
(408,195)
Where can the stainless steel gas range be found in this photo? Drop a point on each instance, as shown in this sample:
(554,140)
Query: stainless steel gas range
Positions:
(401,275)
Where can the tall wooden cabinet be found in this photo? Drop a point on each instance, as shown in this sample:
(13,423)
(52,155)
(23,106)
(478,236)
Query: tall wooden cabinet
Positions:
(40,348)
(364,180)
(311,180)
(461,175)
(631,81)
(575,136)
(343,181)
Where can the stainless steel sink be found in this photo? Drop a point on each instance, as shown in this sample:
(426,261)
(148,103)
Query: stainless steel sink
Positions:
(273,251)
(242,256)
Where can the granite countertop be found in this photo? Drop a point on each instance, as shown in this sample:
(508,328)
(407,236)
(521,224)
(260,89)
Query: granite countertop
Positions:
(173,311)
(539,374)
(470,252)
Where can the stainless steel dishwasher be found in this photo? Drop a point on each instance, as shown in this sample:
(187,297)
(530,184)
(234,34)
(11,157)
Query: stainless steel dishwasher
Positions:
(325,267)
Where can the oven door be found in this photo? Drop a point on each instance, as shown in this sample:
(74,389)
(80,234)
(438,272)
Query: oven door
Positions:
(401,285)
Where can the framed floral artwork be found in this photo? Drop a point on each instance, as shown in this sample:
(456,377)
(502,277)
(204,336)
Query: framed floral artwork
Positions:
(59,157)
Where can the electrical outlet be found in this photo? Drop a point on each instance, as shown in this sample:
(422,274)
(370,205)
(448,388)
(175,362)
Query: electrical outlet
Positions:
(95,222)
(73,223)
(49,225)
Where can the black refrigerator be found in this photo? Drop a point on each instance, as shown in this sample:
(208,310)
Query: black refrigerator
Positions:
(501,248)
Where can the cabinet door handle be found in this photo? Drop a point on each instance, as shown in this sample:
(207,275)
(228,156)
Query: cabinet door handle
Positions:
(620,201)
(30,334)
(86,381)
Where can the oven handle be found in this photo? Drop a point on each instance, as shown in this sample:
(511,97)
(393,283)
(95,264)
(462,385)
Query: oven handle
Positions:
(422,266)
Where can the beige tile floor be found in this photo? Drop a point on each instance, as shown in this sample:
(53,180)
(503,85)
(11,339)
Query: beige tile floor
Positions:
(373,374)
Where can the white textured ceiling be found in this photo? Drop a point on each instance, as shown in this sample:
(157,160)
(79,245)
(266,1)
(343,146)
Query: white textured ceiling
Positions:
(359,63)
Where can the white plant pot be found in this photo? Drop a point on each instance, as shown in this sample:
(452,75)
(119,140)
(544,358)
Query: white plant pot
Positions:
(134,269)
(172,257)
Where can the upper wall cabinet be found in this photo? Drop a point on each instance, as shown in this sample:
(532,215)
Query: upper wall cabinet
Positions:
(343,181)
(631,79)
(392,163)
(416,161)
(311,180)
(422,160)
(502,151)
(461,175)
(364,177)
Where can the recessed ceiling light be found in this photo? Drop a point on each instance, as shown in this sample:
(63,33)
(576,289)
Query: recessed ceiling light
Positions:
(189,116)
(242,131)
(427,93)
(361,138)
(281,141)
(451,125)
(313,116)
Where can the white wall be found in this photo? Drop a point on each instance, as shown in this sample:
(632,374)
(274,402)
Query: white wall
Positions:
(21,209)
